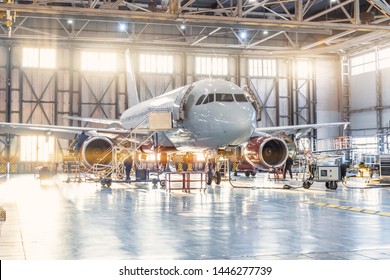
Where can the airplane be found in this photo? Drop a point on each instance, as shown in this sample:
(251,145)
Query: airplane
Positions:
(210,116)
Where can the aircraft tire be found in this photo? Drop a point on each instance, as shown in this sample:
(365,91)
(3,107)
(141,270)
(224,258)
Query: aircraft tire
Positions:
(106,183)
(253,173)
(306,185)
(163,183)
(333,185)
(327,185)
(209,178)
(218,178)
(247,173)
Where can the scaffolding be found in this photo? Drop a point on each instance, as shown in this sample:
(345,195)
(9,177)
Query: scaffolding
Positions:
(124,146)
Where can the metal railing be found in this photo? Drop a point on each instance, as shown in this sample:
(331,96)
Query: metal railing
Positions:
(125,143)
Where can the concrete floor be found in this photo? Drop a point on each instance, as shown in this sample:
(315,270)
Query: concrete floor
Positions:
(258,220)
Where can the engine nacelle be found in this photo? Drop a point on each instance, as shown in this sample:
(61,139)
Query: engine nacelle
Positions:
(96,150)
(266,152)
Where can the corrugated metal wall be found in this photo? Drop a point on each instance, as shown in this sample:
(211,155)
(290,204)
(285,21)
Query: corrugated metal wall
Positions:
(369,97)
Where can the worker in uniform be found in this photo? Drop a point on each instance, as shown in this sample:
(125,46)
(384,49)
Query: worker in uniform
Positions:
(287,167)
(128,163)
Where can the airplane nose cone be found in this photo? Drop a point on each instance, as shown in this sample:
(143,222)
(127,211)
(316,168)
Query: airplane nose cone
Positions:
(240,123)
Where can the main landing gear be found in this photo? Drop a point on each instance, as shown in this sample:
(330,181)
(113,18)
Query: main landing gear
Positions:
(216,176)
(247,173)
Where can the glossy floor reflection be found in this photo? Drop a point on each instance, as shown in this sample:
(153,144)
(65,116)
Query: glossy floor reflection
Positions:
(260,220)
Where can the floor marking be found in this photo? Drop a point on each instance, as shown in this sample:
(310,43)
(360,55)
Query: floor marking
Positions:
(348,208)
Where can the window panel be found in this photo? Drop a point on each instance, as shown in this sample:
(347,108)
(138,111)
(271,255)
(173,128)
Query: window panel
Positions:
(365,145)
(224,97)
(209,99)
(303,69)
(216,66)
(384,58)
(107,62)
(151,63)
(98,61)
(39,58)
(200,100)
(262,67)
(37,148)
(240,98)
(362,63)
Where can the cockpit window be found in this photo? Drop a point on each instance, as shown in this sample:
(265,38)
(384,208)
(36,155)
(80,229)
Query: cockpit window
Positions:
(200,100)
(224,97)
(209,98)
(240,98)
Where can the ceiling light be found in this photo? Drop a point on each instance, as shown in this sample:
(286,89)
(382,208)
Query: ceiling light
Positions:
(123,27)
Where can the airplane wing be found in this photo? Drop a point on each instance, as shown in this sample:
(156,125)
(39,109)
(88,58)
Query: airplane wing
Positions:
(93,120)
(298,129)
(63,132)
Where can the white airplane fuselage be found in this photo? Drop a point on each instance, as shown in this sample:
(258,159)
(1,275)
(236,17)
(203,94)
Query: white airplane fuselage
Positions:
(215,113)
(206,115)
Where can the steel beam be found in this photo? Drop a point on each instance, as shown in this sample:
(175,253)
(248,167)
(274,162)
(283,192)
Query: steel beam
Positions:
(199,19)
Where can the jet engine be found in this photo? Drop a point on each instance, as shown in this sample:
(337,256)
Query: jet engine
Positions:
(96,150)
(266,152)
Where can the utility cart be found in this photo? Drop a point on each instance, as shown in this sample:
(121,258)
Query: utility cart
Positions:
(331,175)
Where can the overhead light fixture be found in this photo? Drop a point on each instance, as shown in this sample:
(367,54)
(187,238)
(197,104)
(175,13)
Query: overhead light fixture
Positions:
(243,35)
(182,27)
(265,32)
(70,21)
(122,27)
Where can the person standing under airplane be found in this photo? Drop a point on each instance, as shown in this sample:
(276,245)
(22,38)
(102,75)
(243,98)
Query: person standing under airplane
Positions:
(287,167)
(128,165)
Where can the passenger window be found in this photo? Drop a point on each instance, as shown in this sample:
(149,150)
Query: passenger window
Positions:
(240,98)
(209,99)
(200,100)
(224,97)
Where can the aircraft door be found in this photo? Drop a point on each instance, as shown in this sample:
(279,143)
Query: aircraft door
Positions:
(179,106)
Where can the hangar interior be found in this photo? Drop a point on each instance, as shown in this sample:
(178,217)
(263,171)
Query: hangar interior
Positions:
(307,62)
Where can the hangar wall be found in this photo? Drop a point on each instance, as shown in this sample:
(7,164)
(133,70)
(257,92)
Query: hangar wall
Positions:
(3,82)
(369,92)
(363,95)
(44,96)
(328,95)
(385,89)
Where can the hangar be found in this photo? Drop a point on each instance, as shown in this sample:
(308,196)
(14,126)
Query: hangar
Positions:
(299,65)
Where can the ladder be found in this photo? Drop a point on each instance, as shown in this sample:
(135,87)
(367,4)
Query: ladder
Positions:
(123,144)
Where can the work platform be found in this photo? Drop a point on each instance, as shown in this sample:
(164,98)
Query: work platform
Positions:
(258,219)
(188,180)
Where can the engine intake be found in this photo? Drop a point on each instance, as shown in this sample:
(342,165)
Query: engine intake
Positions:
(96,150)
(266,152)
